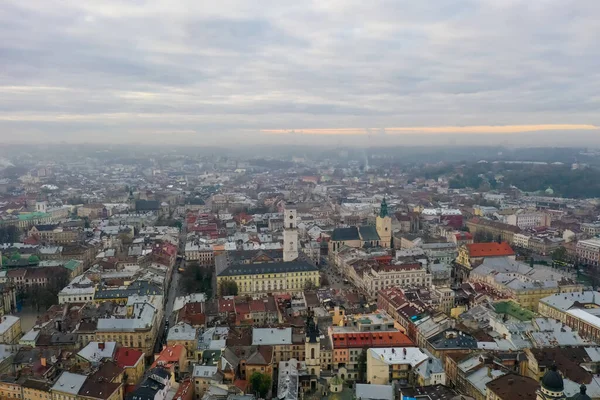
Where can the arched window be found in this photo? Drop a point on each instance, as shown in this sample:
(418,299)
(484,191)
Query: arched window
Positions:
(312,353)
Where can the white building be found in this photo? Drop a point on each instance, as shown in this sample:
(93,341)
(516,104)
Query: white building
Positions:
(403,275)
(521,240)
(200,252)
(588,251)
(591,228)
(290,235)
(80,290)
(529,219)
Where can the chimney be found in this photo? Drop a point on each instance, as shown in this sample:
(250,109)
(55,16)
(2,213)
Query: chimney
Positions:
(489,372)
(511,381)
(43,361)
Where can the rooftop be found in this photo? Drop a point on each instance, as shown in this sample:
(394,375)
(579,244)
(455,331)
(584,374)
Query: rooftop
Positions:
(271,336)
(399,355)
(492,249)
(69,383)
(513,386)
(268,268)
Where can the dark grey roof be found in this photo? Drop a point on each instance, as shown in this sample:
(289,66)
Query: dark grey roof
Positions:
(47,227)
(582,395)
(268,268)
(147,205)
(340,234)
(453,339)
(368,233)
(552,380)
(243,255)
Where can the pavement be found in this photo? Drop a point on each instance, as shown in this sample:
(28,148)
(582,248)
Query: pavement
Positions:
(336,281)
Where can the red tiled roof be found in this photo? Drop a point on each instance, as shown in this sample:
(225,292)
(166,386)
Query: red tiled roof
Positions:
(492,249)
(370,339)
(463,236)
(126,357)
(170,354)
(226,306)
(241,384)
(257,306)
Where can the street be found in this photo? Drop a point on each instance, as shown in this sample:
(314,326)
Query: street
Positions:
(336,281)
(173,291)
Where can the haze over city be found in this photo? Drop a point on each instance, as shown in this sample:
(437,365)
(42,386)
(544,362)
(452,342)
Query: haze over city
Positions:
(311,73)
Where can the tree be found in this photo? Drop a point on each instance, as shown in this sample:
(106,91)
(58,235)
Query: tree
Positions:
(261,383)
(197,279)
(9,234)
(229,288)
(362,366)
(309,285)
(560,254)
(324,280)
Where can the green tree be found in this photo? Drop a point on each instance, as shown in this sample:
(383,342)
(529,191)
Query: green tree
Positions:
(229,288)
(9,234)
(309,285)
(560,254)
(197,279)
(261,383)
(362,366)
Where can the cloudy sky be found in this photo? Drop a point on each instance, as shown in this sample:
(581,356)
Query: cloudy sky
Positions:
(223,71)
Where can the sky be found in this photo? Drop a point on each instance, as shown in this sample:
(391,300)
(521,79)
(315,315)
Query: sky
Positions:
(306,72)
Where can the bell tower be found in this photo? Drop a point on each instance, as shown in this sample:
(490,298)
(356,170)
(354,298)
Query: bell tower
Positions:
(383,224)
(290,234)
(312,347)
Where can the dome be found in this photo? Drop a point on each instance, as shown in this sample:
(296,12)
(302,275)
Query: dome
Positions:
(581,395)
(552,380)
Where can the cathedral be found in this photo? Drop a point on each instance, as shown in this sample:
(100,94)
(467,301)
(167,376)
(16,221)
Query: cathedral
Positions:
(552,387)
(379,235)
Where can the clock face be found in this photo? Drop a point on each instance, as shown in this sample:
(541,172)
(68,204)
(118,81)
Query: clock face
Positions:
(291,217)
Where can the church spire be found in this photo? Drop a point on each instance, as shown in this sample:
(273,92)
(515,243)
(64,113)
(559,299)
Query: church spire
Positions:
(383,211)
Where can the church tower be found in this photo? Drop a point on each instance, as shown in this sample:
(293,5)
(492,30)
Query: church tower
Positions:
(312,347)
(552,386)
(383,224)
(290,234)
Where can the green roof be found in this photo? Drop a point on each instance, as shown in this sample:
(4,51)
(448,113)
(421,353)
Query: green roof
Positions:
(72,264)
(514,310)
(368,233)
(342,234)
(34,215)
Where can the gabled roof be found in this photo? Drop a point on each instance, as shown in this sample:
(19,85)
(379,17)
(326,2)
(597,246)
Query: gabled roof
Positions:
(266,268)
(343,234)
(126,357)
(368,233)
(492,249)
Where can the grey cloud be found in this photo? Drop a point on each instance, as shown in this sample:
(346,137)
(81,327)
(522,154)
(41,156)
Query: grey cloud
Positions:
(240,67)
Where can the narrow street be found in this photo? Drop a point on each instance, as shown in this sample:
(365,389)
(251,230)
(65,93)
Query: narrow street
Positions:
(173,291)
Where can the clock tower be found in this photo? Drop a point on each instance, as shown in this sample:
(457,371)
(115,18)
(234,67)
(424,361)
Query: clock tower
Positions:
(290,234)
(383,224)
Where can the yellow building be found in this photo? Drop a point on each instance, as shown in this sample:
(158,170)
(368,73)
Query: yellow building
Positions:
(132,362)
(138,331)
(279,277)
(34,389)
(395,363)
(67,386)
(10,329)
(184,335)
(9,388)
